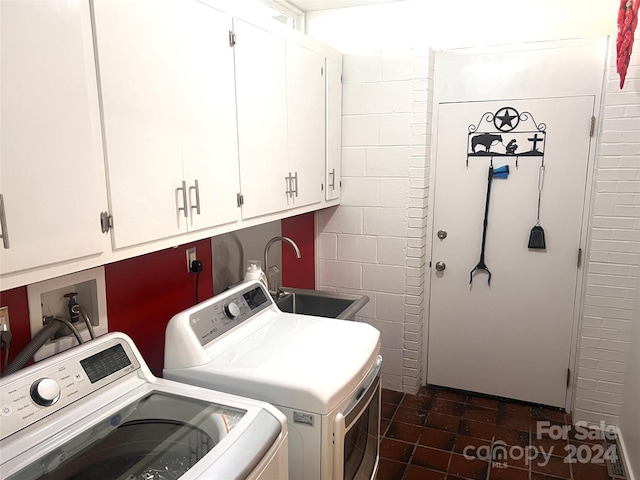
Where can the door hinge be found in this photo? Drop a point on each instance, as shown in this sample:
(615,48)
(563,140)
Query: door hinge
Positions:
(579,257)
(321,71)
(568,377)
(232,39)
(106,222)
(240,199)
(592,129)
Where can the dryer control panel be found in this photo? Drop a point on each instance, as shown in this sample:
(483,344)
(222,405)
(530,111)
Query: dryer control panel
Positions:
(228,311)
(52,384)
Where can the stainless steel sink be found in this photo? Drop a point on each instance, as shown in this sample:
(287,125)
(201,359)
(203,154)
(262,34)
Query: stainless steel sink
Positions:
(321,303)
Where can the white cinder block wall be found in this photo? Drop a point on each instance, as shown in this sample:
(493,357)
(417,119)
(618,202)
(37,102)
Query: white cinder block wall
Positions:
(374,242)
(614,248)
(614,252)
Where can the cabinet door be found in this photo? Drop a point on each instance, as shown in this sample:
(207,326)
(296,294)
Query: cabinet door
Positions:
(306,123)
(334,128)
(139,54)
(51,165)
(208,139)
(262,119)
(169,107)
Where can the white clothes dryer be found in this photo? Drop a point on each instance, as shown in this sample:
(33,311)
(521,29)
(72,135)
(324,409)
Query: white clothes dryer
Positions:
(97,411)
(323,374)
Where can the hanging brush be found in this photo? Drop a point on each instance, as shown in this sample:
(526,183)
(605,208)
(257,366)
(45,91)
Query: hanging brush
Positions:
(536,237)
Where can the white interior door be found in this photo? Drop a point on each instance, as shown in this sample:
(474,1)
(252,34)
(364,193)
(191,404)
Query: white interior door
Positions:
(511,338)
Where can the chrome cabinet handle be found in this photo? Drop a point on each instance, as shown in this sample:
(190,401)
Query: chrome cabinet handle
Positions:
(196,187)
(4,233)
(289,190)
(295,178)
(332,173)
(184,198)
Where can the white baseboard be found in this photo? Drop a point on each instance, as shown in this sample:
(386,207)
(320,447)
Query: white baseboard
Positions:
(626,455)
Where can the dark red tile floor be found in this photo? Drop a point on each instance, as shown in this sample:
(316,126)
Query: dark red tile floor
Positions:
(441,434)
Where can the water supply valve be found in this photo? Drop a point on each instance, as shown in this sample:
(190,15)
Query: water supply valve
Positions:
(74,308)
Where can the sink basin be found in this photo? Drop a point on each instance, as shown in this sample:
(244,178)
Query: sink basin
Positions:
(321,303)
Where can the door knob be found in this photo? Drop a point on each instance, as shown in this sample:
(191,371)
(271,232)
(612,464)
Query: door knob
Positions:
(440,266)
(442,234)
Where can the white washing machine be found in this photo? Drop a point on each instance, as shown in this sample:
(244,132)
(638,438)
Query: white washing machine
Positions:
(323,374)
(96,411)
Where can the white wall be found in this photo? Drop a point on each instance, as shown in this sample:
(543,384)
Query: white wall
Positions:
(613,255)
(374,243)
(231,251)
(608,314)
(630,415)
(445,24)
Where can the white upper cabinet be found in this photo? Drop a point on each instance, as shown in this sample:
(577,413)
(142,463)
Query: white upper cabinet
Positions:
(261,85)
(51,164)
(334,128)
(165,121)
(281,121)
(306,124)
(167,86)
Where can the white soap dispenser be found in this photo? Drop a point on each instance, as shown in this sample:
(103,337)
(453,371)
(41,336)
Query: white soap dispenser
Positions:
(254,271)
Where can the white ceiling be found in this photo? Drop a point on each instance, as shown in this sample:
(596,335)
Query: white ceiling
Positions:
(313,5)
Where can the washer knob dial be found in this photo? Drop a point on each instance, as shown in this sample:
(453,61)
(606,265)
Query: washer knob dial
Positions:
(45,391)
(231,310)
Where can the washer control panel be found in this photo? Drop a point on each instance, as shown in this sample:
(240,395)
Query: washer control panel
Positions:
(54,383)
(227,312)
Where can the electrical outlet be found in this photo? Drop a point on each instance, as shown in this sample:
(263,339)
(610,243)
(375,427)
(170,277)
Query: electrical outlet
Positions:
(4,320)
(191,256)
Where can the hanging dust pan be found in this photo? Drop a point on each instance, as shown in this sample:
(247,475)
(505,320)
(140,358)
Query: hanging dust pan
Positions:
(536,237)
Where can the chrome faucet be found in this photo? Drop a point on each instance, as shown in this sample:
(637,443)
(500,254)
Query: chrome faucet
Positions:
(266,264)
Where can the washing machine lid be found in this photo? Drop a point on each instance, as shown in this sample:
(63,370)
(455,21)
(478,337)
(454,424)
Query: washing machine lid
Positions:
(114,419)
(296,361)
(161,436)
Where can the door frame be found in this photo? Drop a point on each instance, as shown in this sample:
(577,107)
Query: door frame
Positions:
(589,54)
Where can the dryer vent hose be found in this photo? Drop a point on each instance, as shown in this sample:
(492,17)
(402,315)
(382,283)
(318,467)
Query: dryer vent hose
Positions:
(48,331)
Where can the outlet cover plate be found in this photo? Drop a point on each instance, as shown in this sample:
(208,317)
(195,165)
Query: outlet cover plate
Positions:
(4,319)
(191,256)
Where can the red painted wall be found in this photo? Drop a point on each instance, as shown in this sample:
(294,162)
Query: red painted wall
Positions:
(143,293)
(16,300)
(299,272)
